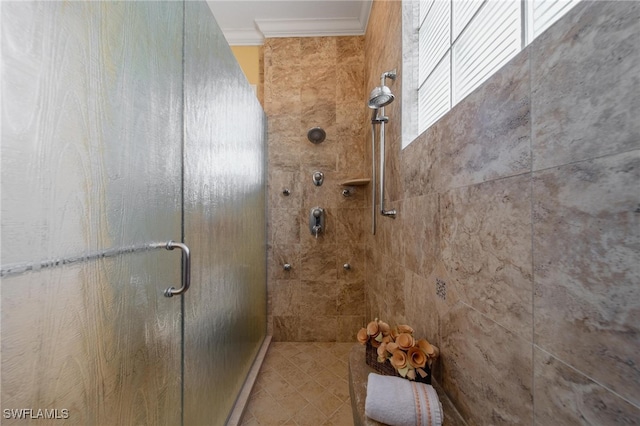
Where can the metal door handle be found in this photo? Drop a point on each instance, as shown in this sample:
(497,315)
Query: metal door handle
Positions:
(186,269)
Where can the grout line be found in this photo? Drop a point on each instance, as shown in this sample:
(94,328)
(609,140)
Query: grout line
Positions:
(587,376)
(531,213)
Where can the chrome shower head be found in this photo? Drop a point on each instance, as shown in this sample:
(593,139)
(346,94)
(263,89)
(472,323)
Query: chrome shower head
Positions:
(380,96)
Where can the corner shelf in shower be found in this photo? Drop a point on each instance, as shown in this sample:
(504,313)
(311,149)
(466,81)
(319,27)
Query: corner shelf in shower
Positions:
(356,182)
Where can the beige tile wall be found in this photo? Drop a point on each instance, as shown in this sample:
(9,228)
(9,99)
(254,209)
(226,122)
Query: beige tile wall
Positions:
(308,82)
(516,247)
(517,244)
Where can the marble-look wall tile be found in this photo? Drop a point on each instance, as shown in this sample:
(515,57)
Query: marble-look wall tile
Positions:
(487,369)
(371,295)
(316,297)
(318,262)
(285,124)
(278,181)
(393,170)
(282,51)
(585,84)
(352,254)
(350,298)
(282,88)
(383,42)
(350,83)
(566,397)
(587,269)
(486,248)
(318,84)
(480,157)
(389,232)
(486,136)
(310,82)
(328,195)
(420,233)
(286,328)
(420,163)
(348,326)
(420,307)
(443,289)
(278,256)
(318,329)
(282,159)
(282,295)
(349,224)
(357,197)
(389,291)
(318,51)
(284,226)
(350,50)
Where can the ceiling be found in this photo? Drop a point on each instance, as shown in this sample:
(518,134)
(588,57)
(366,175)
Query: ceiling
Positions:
(249,22)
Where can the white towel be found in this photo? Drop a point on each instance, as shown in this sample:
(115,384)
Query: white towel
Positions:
(401,402)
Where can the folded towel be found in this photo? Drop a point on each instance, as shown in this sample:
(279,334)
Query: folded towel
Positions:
(401,402)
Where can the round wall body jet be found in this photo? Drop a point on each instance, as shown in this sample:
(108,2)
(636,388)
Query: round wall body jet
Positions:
(316,135)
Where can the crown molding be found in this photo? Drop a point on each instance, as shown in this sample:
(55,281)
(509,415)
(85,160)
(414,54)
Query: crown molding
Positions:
(305,27)
(365,11)
(243,37)
(271,28)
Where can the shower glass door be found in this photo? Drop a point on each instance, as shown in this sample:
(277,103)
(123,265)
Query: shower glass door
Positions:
(224,221)
(90,176)
(126,125)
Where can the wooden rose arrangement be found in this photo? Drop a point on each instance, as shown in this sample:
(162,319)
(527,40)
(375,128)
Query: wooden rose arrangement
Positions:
(409,357)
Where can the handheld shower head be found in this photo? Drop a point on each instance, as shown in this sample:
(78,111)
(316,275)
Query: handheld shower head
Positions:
(380,96)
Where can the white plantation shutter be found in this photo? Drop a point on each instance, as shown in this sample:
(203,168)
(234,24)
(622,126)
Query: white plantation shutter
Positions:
(461,43)
(543,13)
(462,12)
(434,37)
(434,97)
(491,39)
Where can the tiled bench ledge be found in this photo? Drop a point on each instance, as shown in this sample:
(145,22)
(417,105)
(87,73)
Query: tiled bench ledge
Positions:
(358,373)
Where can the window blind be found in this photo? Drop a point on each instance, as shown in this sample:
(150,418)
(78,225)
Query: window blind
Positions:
(491,39)
(461,43)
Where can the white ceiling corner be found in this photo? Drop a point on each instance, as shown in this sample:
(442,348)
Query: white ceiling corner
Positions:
(250,22)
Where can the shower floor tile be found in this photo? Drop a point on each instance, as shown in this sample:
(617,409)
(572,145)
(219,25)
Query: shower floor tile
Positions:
(302,384)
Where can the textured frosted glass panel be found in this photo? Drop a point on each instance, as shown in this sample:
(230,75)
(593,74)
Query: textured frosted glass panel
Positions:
(91,126)
(91,139)
(224,213)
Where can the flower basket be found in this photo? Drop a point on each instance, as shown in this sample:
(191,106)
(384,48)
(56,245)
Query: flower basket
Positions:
(385,368)
(395,352)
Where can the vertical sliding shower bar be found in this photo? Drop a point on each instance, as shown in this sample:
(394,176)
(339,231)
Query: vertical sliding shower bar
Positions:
(378,99)
(391,213)
(373,174)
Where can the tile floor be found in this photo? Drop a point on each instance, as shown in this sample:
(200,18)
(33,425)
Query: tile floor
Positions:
(302,384)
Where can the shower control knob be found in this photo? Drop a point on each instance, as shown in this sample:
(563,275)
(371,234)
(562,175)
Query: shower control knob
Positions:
(318,178)
(286,192)
(346,266)
(286,267)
